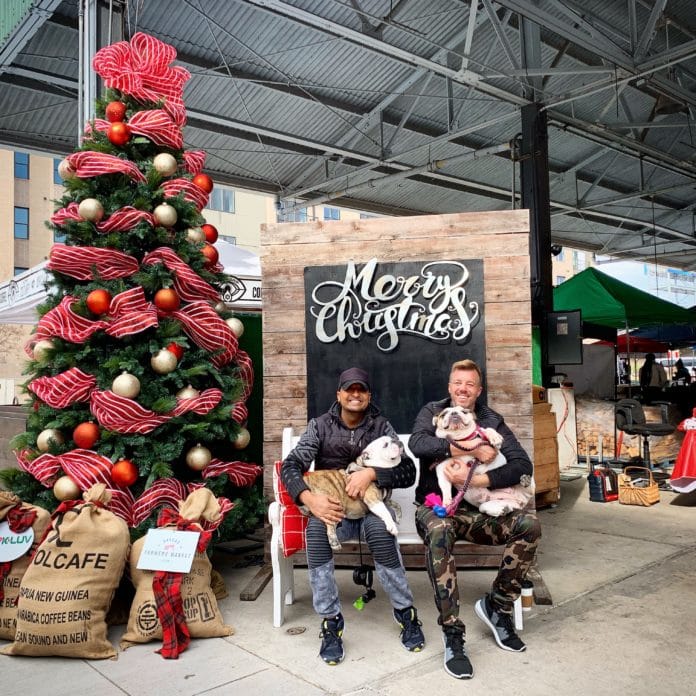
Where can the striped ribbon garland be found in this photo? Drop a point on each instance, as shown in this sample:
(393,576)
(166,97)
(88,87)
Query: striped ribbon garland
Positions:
(140,68)
(188,284)
(155,124)
(64,389)
(125,219)
(240,473)
(192,193)
(194,161)
(69,214)
(208,330)
(81,262)
(87,164)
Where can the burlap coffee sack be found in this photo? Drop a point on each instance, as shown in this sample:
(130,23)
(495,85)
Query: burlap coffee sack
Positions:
(203,616)
(10,586)
(68,587)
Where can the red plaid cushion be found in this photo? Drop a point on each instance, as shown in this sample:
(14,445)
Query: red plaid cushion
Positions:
(292,522)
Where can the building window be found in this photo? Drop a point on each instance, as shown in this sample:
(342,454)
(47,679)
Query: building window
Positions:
(57,178)
(20,269)
(288,212)
(332,214)
(21,223)
(21,165)
(559,279)
(221,199)
(58,237)
(229,238)
(561,255)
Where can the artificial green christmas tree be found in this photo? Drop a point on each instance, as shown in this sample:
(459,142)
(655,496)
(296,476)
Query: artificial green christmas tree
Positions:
(136,376)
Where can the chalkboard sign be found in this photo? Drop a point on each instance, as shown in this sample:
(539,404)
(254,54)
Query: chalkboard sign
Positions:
(403,322)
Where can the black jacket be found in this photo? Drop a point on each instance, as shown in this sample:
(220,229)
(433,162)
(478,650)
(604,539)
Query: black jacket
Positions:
(331,444)
(430,449)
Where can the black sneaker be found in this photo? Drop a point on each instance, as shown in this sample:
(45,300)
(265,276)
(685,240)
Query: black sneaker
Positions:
(331,650)
(501,625)
(457,663)
(412,637)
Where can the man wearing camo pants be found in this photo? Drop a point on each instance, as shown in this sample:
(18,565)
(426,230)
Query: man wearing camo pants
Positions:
(518,531)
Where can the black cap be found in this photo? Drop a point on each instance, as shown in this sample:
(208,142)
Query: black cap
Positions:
(354,375)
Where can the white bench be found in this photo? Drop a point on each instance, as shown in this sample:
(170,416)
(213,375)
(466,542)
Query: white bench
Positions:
(283,569)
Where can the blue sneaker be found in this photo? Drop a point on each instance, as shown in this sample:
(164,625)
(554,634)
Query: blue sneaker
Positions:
(412,637)
(331,650)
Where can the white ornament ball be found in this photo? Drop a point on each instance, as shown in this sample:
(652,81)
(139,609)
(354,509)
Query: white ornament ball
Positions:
(43,439)
(65,170)
(165,163)
(163,362)
(220,307)
(42,348)
(187,392)
(66,489)
(198,457)
(236,326)
(165,215)
(195,234)
(126,385)
(91,210)
(243,439)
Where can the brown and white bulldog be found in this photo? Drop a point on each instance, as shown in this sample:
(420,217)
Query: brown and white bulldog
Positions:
(380,453)
(458,423)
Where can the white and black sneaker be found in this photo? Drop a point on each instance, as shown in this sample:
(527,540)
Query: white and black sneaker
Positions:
(501,625)
(457,663)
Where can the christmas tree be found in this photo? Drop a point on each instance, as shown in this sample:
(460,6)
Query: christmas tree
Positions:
(136,376)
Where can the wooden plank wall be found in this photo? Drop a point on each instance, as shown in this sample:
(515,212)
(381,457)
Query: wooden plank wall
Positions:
(500,238)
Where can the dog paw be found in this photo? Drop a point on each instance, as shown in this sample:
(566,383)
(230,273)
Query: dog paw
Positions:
(393,529)
(525,480)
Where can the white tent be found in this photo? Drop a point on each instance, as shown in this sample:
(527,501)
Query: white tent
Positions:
(20,296)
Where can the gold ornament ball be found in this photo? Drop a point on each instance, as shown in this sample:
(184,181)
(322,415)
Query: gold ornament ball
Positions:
(187,392)
(198,457)
(243,439)
(43,440)
(195,234)
(236,326)
(126,385)
(165,215)
(163,362)
(220,307)
(165,163)
(42,348)
(65,170)
(91,210)
(66,489)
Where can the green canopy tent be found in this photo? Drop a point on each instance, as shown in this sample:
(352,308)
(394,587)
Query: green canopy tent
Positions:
(606,301)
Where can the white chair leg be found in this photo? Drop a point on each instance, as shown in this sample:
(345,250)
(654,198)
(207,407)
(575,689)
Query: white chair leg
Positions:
(283,582)
(517,614)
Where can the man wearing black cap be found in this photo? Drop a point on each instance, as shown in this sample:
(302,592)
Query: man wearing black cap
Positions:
(333,441)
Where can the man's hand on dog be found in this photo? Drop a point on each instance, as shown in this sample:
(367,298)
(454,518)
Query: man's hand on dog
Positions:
(457,475)
(358,482)
(327,509)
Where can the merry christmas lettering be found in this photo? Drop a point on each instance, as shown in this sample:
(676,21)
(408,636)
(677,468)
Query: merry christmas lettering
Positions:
(431,304)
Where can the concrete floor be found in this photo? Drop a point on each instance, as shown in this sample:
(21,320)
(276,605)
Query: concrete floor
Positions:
(624,602)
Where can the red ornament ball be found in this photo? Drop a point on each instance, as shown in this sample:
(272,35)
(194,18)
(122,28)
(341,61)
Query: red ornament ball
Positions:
(167,300)
(99,301)
(119,133)
(85,435)
(203,181)
(124,473)
(176,349)
(115,111)
(210,232)
(210,253)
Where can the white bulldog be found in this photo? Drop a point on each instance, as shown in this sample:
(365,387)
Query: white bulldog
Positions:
(457,423)
(380,453)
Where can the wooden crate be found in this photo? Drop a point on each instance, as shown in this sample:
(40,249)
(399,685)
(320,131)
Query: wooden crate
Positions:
(546,472)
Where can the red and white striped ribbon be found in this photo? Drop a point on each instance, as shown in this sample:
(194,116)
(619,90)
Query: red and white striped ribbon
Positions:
(123,415)
(194,161)
(141,69)
(240,413)
(131,313)
(43,468)
(61,321)
(246,371)
(240,473)
(192,193)
(166,491)
(81,262)
(158,126)
(208,331)
(69,214)
(188,284)
(64,389)
(121,504)
(87,164)
(125,219)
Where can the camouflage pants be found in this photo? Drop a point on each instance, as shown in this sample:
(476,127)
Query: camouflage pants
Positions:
(519,532)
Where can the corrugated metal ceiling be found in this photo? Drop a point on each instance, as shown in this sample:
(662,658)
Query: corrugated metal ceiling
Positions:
(366,102)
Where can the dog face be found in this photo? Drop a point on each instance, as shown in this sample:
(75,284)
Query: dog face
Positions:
(454,423)
(382,453)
